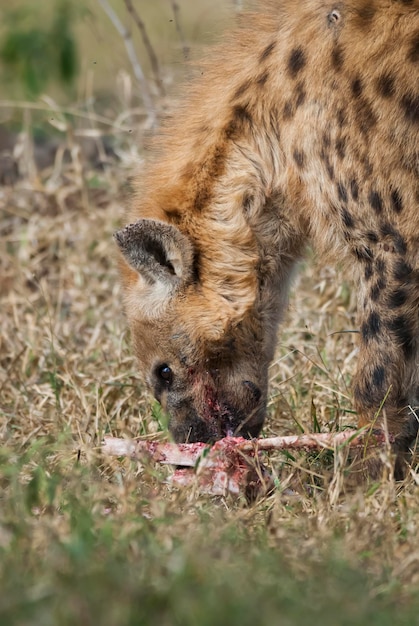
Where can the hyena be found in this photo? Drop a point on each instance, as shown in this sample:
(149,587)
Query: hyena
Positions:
(302,129)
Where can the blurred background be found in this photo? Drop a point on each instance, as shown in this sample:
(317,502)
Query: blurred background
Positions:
(96,73)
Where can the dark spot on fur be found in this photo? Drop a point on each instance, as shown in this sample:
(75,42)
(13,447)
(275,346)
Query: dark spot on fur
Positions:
(267,51)
(396,201)
(296,61)
(400,244)
(337,58)
(365,15)
(288,111)
(371,327)
(368,271)
(365,116)
(342,193)
(210,171)
(371,236)
(299,158)
(397,298)
(262,79)
(380,285)
(173,215)
(341,147)
(402,270)
(348,220)
(410,106)
(380,266)
(242,114)
(378,376)
(401,329)
(329,167)
(196,270)
(387,230)
(301,95)
(375,293)
(202,198)
(368,168)
(385,85)
(330,170)
(356,87)
(363,254)
(413,54)
(354,189)
(376,201)
(240,91)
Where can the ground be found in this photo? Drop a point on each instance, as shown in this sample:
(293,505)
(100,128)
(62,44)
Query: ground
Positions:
(87,539)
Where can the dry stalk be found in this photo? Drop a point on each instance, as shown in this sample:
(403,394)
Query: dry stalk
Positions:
(154,62)
(113,126)
(179,30)
(132,55)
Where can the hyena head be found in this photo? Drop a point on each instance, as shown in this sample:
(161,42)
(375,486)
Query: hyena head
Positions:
(205,358)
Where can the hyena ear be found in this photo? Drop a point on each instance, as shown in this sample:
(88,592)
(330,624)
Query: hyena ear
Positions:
(158,251)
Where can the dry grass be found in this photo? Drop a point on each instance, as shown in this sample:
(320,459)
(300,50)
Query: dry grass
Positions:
(67,376)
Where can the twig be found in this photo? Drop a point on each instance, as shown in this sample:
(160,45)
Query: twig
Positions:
(179,30)
(36,106)
(154,62)
(132,55)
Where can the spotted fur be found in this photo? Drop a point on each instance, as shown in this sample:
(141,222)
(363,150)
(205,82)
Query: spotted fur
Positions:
(303,129)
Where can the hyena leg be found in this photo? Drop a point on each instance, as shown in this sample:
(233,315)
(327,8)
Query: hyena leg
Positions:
(386,379)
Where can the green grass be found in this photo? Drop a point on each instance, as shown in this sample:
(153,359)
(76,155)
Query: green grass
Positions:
(76,547)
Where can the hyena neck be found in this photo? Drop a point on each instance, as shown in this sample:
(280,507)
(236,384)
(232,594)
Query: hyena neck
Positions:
(220,180)
(245,237)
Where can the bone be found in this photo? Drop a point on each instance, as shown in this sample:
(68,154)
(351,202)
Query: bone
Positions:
(187,454)
(232,465)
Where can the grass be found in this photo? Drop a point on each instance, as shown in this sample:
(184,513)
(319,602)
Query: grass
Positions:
(81,541)
(92,540)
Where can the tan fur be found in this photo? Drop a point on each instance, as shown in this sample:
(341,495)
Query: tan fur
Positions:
(303,129)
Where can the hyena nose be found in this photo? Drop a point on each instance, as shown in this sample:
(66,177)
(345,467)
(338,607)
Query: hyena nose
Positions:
(230,422)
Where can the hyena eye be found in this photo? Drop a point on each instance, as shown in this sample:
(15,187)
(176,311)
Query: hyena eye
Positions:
(165,374)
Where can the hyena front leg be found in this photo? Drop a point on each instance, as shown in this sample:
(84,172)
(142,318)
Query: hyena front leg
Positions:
(386,379)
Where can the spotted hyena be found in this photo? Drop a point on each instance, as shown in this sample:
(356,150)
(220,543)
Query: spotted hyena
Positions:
(302,129)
